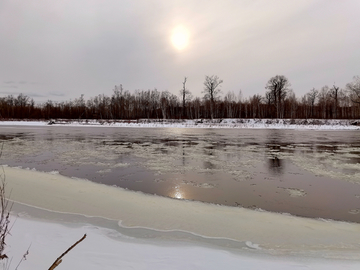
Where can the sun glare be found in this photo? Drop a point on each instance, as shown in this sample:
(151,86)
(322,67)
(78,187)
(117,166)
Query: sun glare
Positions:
(180,37)
(177,193)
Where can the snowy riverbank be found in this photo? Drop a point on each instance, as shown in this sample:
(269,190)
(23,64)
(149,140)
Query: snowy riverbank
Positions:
(249,239)
(107,249)
(316,124)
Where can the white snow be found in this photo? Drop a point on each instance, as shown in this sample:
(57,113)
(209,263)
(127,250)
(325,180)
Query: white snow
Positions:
(321,124)
(266,240)
(107,249)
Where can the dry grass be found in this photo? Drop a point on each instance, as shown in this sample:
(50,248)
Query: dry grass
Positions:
(4,215)
(5,209)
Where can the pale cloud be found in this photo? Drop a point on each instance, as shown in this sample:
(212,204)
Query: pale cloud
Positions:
(75,47)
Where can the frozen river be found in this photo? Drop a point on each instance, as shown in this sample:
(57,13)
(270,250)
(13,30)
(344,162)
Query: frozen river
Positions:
(305,173)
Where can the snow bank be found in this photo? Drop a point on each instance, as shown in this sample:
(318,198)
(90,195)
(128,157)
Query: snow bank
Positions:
(273,233)
(322,124)
(107,249)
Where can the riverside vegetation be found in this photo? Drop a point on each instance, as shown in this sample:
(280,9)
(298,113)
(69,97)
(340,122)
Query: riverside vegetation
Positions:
(278,101)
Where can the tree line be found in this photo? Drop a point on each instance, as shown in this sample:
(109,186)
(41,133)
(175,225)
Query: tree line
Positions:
(279,101)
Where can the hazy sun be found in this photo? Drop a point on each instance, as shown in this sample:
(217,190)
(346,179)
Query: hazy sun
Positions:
(180,37)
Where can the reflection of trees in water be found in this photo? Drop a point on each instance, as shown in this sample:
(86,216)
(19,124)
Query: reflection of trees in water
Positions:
(183,155)
(273,148)
(275,165)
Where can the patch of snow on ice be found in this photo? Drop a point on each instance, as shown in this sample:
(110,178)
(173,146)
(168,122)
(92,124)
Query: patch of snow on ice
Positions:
(252,245)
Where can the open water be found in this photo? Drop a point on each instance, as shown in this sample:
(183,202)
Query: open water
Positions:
(305,173)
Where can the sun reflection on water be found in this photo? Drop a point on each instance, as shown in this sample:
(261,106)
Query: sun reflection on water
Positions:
(178,193)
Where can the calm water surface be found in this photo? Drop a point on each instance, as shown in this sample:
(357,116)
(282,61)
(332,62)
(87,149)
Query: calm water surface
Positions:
(305,173)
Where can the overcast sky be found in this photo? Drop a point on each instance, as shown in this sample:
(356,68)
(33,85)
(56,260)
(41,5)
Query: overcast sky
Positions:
(59,50)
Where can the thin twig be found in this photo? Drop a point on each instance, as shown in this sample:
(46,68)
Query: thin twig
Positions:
(58,260)
(23,257)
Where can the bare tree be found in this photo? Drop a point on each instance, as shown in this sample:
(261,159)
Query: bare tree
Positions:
(164,103)
(186,96)
(344,104)
(117,101)
(255,102)
(155,102)
(323,101)
(22,102)
(354,89)
(334,94)
(278,87)
(239,102)
(196,103)
(80,107)
(212,90)
(293,104)
(311,97)
(230,104)
(174,103)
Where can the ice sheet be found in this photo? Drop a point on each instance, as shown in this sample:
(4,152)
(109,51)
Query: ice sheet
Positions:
(275,233)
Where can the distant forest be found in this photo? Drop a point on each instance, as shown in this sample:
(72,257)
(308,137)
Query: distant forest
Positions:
(279,101)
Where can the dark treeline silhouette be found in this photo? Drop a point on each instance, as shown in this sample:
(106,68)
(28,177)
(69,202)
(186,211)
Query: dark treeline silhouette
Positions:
(279,101)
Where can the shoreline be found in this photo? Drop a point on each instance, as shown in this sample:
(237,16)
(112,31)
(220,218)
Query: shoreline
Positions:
(272,232)
(301,124)
(157,237)
(112,250)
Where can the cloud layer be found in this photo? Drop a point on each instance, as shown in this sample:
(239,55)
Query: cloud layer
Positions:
(86,47)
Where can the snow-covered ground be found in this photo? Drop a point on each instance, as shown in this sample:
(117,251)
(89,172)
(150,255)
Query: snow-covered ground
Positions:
(250,239)
(205,123)
(107,249)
